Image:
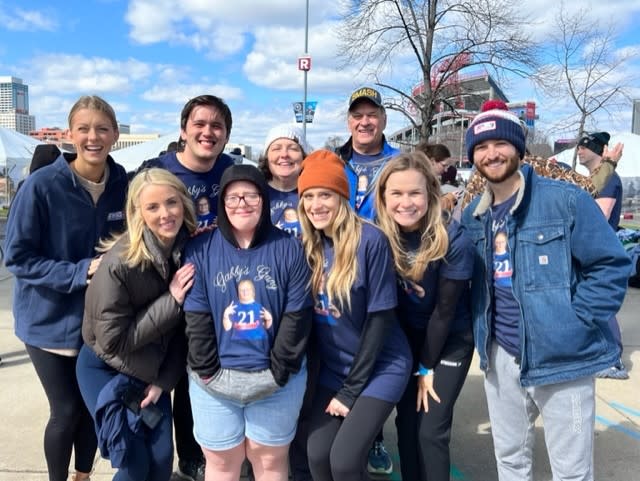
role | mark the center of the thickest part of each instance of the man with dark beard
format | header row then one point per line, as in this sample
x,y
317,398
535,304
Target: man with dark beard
x,y
549,273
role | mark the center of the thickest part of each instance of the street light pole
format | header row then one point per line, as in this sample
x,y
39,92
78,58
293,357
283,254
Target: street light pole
x,y
306,52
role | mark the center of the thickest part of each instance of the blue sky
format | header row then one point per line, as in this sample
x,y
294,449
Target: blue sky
x,y
147,57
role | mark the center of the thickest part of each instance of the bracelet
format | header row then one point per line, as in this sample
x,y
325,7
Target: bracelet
x,y
423,371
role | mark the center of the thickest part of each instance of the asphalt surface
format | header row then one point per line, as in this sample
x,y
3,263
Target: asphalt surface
x,y
24,412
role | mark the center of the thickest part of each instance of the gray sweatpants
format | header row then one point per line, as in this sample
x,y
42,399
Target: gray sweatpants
x,y
568,415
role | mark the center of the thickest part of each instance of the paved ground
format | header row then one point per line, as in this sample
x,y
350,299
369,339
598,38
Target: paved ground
x,y
23,414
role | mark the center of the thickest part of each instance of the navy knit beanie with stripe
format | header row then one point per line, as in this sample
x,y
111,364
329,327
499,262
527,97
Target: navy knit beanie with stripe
x,y
495,124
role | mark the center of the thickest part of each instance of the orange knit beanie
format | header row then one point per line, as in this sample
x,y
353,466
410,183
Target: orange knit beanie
x,y
324,169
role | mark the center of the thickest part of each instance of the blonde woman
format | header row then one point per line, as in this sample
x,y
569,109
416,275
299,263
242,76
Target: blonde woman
x,y
364,356
133,328
434,263
56,220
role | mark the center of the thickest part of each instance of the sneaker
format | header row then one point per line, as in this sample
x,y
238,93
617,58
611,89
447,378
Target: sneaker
x,y
191,469
614,372
379,460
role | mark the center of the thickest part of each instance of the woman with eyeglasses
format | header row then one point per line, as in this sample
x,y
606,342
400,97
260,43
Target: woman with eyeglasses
x,y
284,151
248,321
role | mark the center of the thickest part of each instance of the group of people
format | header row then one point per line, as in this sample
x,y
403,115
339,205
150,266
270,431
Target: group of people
x,y
306,300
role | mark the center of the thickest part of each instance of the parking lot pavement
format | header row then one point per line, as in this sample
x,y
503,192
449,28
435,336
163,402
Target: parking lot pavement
x,y
24,413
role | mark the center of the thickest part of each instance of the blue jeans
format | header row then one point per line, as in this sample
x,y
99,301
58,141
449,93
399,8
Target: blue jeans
x,y
149,459
568,415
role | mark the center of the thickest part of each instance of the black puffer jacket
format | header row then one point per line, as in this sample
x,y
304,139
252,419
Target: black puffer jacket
x,y
132,321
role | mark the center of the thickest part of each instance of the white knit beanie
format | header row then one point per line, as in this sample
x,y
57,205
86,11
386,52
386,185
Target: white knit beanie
x,y
286,131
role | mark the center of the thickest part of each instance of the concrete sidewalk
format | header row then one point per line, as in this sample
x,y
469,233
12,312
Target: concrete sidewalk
x,y
24,412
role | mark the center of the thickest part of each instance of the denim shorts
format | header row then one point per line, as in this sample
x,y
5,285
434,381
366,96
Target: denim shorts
x,y
220,424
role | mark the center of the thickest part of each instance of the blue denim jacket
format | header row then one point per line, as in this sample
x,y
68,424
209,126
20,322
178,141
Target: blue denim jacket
x,y
570,277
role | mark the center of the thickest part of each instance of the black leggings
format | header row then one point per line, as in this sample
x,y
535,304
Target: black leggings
x,y
187,447
338,447
70,425
423,438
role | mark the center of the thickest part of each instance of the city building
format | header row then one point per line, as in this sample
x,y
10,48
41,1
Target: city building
x,y
127,140
635,119
465,94
51,135
14,105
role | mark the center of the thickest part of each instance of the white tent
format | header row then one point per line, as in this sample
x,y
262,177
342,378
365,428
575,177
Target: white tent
x,y
629,165
16,150
131,157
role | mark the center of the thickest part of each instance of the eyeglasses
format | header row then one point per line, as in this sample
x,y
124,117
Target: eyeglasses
x,y
251,199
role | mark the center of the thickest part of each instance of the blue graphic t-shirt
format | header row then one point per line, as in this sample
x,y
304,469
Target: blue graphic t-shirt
x,y
613,190
338,329
284,214
366,168
247,291
506,310
416,301
203,187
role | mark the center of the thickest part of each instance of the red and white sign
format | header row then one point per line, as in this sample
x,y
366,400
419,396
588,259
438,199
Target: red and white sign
x,y
304,63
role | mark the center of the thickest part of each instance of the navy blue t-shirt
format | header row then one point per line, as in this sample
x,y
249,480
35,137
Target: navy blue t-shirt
x,y
367,168
416,301
247,291
613,190
203,187
284,214
506,310
338,328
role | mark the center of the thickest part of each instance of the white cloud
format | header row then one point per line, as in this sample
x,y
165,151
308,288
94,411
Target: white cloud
x,y
273,62
217,27
18,19
543,13
180,93
68,74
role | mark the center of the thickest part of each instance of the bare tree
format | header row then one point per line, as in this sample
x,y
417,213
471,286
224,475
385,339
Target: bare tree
x,y
538,144
442,37
333,142
585,70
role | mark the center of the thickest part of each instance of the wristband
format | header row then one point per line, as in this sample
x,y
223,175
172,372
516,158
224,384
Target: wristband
x,y
423,371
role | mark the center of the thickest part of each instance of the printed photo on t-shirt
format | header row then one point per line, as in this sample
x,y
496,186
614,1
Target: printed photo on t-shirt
x,y
502,267
325,311
290,223
247,319
363,186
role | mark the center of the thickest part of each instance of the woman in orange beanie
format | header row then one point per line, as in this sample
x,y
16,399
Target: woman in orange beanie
x,y
365,359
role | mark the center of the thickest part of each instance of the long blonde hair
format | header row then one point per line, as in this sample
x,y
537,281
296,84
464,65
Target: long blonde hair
x,y
346,231
136,251
432,226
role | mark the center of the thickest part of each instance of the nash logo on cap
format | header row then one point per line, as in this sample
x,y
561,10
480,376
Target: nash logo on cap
x,y
484,127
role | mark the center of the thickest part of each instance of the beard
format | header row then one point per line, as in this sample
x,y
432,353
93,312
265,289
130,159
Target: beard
x,y
496,176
